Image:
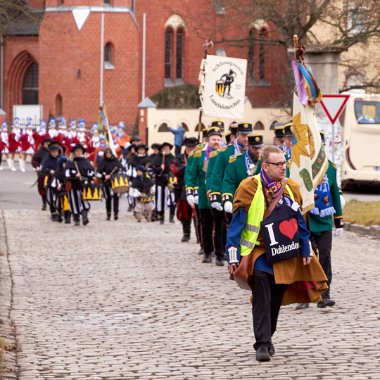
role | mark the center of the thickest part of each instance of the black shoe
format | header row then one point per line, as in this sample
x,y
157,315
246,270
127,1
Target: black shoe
x,y
271,350
76,223
116,216
326,302
207,259
219,262
108,216
67,220
44,207
302,306
60,219
85,220
54,217
171,220
262,354
185,237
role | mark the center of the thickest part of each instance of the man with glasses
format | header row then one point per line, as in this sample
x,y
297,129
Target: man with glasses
x,y
273,282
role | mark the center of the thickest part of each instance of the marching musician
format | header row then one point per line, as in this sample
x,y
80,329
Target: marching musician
x,y
4,145
79,172
63,201
49,168
108,166
37,159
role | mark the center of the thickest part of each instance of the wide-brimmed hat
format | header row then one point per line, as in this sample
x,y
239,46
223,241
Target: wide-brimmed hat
x,y
138,146
79,146
156,146
190,141
166,144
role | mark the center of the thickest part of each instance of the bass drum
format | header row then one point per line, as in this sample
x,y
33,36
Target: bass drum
x,y
92,192
120,183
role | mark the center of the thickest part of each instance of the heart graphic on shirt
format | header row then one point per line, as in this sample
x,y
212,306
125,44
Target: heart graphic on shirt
x,y
289,228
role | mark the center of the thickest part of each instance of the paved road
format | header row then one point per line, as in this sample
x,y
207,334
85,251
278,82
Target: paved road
x,y
121,300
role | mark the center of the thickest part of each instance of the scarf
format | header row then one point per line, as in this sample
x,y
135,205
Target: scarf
x,y
207,151
238,148
322,198
273,187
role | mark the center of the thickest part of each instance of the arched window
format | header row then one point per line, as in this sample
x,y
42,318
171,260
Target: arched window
x,y
58,105
261,55
30,85
251,55
259,126
197,127
109,56
168,52
179,48
163,128
273,125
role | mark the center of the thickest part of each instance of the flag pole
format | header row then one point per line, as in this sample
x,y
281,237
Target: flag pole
x,y
101,59
207,45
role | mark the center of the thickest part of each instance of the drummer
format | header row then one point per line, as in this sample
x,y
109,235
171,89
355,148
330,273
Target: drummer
x,y
79,174
108,166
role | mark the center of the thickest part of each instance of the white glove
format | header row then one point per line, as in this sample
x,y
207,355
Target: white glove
x,y
338,232
196,199
217,206
228,207
101,153
190,200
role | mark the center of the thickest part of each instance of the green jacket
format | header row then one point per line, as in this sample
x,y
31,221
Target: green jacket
x,y
196,178
210,170
236,171
317,224
220,168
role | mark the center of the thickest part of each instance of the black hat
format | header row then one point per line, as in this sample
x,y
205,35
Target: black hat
x,y
228,137
190,141
156,146
79,146
218,123
166,144
279,131
141,167
138,146
256,140
234,128
245,128
55,146
214,131
288,129
204,132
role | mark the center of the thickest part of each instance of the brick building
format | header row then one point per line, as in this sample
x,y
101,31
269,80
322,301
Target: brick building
x,y
55,60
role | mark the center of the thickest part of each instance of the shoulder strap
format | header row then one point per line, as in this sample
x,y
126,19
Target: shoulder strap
x,y
275,200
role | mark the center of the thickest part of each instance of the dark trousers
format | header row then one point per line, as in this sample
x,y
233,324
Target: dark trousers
x,y
322,245
52,199
212,242
267,298
111,197
186,227
77,203
198,226
219,236
177,150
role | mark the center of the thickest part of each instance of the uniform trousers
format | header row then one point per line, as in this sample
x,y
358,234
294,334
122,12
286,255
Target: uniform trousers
x,y
77,203
212,232
267,298
162,193
110,198
52,199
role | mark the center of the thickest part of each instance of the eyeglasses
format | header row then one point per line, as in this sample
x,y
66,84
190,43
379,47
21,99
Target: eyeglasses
x,y
278,164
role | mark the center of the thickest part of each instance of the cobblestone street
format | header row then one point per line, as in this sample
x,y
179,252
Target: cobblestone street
x,y
122,300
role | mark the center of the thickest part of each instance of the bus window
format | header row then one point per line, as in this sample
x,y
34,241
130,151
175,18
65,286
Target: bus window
x,y
367,112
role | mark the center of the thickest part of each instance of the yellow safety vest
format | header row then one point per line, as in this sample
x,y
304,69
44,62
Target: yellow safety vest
x,y
255,217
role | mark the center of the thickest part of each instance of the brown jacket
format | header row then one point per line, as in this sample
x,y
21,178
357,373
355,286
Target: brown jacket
x,y
306,283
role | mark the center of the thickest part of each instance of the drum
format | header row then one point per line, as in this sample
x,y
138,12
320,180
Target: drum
x,y
120,183
92,192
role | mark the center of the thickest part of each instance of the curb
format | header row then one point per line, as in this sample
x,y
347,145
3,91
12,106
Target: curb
x,y
373,231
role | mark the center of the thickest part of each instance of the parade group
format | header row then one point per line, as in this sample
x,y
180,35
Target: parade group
x,y
199,184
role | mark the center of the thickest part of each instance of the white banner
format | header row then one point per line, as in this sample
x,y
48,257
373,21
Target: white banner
x,y
224,87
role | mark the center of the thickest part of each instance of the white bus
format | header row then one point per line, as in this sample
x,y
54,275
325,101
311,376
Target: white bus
x,y
361,140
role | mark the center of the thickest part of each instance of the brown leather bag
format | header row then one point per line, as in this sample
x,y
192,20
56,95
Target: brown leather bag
x,y
243,272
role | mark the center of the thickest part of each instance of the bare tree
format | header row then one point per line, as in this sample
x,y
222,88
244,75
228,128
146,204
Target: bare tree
x,y
11,10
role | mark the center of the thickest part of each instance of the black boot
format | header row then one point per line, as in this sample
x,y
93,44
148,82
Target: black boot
x,y
76,220
207,259
60,219
44,204
85,220
219,261
108,215
67,216
116,216
171,219
185,238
